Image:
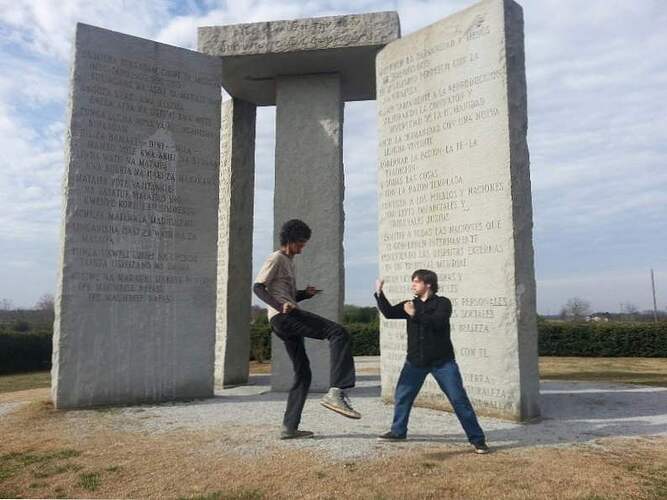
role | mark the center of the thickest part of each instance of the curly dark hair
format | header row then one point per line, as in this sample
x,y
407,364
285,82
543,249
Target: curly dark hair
x,y
294,230
428,277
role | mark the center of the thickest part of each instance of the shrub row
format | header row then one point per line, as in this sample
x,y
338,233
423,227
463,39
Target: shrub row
x,y
20,352
24,352
631,339
365,339
603,339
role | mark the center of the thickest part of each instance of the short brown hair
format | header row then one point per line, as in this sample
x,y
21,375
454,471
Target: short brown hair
x,y
428,277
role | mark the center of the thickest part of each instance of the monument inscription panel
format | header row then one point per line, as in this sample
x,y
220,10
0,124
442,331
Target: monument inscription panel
x,y
135,312
454,194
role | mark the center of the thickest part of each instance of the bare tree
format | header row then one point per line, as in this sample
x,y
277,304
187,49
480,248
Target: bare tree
x,y
629,310
45,303
6,305
576,309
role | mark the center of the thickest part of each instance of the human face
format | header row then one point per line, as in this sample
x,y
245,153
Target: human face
x,y
296,247
419,288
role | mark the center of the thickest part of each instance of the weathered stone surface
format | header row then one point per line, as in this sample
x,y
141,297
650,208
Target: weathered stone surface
x,y
309,186
255,54
235,223
136,298
454,194
314,33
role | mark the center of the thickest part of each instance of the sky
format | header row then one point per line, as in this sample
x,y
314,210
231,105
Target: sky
x,y
597,111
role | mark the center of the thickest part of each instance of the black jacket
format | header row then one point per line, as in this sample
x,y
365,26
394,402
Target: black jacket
x,y
429,339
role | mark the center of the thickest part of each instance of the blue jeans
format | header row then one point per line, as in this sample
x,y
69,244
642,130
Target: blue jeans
x,y
449,379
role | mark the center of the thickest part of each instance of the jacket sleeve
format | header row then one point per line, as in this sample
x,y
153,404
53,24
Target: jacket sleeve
x,y
389,311
437,316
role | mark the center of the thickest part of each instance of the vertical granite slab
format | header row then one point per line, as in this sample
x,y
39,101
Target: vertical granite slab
x,y
309,186
454,195
136,294
235,223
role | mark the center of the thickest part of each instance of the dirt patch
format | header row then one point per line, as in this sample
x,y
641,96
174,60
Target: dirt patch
x,y
27,395
45,453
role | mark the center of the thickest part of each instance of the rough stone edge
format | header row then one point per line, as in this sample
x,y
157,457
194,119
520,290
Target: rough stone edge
x,y
58,313
386,28
522,212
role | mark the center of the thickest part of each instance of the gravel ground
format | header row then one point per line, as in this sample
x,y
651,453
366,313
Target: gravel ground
x,y
246,419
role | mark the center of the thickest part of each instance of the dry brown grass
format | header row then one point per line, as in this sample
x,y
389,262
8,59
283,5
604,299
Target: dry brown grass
x,y
644,371
43,453
257,367
24,381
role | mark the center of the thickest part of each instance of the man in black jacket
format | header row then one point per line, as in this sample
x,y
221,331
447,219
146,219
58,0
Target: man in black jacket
x,y
430,350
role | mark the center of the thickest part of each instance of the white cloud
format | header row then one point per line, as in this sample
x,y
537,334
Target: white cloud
x,y
46,28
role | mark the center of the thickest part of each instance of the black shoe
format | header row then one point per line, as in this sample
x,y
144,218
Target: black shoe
x,y
295,434
390,436
481,448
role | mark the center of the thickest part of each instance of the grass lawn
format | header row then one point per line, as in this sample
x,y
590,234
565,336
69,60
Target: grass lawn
x,y
45,454
644,371
24,381
54,454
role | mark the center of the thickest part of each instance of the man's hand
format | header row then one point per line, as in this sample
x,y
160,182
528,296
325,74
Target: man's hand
x,y
288,307
409,308
379,283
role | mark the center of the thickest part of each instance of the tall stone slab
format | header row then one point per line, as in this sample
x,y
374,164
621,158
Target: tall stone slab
x,y
454,195
309,186
235,223
136,295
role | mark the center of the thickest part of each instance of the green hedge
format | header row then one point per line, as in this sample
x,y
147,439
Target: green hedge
x,y
260,340
555,339
31,351
603,339
365,339
24,352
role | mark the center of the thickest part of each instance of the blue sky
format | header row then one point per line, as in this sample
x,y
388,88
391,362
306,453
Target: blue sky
x,y
597,108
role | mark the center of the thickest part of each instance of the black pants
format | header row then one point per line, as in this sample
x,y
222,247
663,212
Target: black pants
x,y
292,328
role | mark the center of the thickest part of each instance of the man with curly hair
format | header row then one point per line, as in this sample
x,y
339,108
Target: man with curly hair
x,y
275,285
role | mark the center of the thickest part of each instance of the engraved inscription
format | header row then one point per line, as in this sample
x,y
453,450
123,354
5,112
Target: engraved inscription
x,y
445,192
141,167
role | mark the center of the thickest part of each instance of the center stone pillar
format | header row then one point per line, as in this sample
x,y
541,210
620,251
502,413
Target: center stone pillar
x,y
309,186
307,68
